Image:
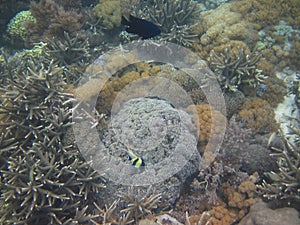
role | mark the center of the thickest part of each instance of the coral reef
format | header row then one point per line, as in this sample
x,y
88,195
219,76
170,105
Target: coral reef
x,y
43,181
260,213
204,119
52,20
235,68
109,12
16,27
68,51
176,19
264,13
284,184
243,150
258,116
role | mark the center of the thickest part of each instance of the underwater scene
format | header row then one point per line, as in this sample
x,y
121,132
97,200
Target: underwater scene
x,y
149,112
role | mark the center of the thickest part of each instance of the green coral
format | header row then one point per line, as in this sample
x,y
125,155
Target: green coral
x,y
109,12
16,27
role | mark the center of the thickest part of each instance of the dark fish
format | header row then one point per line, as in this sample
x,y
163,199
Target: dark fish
x,y
143,28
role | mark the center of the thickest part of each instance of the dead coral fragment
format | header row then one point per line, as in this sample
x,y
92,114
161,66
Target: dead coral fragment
x,y
233,70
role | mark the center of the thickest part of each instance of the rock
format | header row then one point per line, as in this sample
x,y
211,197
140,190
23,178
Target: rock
x,y
260,214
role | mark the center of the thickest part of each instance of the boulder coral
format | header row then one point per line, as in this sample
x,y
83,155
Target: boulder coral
x,y
258,115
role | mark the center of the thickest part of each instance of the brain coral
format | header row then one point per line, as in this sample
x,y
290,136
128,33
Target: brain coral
x,y
258,115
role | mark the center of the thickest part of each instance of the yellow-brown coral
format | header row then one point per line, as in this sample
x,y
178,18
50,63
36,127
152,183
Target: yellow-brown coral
x,y
268,12
110,13
221,26
258,115
204,120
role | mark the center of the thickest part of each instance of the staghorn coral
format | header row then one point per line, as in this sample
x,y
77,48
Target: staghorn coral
x,y
176,19
284,184
258,115
235,68
68,51
43,181
139,204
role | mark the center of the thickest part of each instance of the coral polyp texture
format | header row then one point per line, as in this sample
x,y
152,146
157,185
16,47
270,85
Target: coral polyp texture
x,y
234,69
16,27
109,12
43,181
258,116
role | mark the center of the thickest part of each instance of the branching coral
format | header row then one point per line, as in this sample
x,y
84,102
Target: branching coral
x,y
40,175
284,184
139,204
235,69
68,51
176,19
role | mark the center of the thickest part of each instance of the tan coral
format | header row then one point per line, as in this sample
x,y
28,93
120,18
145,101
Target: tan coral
x,y
204,121
110,13
258,115
222,25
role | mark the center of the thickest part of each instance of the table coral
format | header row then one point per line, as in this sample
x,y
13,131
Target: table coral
x,y
258,115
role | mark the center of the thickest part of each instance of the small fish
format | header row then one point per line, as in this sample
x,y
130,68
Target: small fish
x,y
143,28
135,160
